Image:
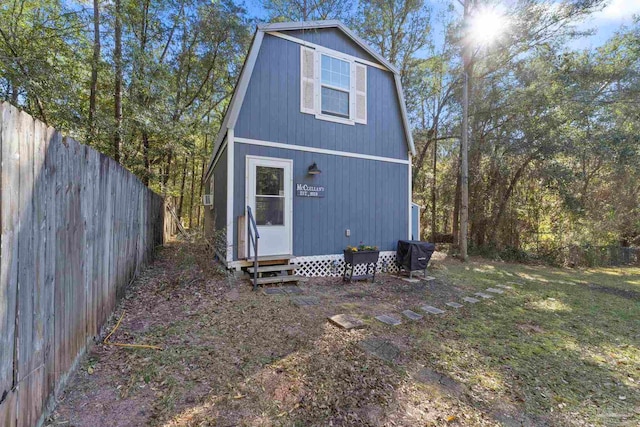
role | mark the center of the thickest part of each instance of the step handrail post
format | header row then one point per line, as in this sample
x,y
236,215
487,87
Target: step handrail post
x,y
252,232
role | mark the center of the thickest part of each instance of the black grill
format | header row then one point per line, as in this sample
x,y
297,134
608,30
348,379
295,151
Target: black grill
x,y
414,255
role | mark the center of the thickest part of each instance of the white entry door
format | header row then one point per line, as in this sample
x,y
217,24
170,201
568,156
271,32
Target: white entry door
x,y
269,194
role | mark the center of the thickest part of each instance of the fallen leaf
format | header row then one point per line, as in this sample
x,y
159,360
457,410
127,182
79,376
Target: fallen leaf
x,y
238,396
451,418
90,370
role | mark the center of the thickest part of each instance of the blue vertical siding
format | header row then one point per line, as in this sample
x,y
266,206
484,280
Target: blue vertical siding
x,y
271,107
368,197
332,38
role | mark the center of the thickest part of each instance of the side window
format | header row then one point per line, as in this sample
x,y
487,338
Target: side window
x,y
332,86
335,81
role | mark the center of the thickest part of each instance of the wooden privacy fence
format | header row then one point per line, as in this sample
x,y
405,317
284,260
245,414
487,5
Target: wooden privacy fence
x,y
76,228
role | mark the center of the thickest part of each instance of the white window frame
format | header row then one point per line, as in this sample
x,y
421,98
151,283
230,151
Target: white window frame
x,y
319,84
348,90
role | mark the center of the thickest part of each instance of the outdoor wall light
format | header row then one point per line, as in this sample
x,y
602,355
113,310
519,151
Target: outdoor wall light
x,y
313,169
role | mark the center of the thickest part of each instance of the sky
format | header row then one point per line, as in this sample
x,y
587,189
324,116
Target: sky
x,y
604,23
608,21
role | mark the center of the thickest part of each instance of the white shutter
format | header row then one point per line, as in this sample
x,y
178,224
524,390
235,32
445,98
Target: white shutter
x,y
307,80
361,94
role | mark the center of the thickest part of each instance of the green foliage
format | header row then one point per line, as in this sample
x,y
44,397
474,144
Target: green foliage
x,y
555,133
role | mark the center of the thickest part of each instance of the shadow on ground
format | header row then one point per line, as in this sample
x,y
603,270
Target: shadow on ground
x,y
541,354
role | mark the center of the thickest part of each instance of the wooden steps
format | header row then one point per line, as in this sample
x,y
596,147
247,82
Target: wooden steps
x,y
273,268
278,279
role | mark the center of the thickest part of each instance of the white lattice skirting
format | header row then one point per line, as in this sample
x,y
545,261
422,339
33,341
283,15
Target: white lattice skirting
x,y
333,265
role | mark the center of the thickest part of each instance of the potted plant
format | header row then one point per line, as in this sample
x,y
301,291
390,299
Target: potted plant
x,y
360,255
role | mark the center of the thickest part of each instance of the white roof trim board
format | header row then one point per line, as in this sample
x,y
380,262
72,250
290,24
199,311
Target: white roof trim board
x,y
233,110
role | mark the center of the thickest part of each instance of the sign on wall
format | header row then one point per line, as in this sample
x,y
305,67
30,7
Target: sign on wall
x,y
306,190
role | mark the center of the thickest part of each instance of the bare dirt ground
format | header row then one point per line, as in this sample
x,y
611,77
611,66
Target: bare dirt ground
x,y
234,357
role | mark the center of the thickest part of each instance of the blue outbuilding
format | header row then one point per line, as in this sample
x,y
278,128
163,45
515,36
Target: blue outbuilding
x,y
316,145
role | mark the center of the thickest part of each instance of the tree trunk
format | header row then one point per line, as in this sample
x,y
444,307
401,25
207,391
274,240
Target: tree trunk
x,y
464,145
456,207
94,72
193,187
433,187
505,198
167,171
184,176
147,163
201,184
117,93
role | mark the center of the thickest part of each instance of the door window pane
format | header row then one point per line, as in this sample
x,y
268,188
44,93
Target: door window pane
x,y
269,181
269,210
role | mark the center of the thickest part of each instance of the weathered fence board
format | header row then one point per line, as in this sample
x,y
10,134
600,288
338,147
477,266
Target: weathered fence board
x,y
76,227
9,198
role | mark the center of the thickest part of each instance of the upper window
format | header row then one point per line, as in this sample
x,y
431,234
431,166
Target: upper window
x,y
333,86
336,86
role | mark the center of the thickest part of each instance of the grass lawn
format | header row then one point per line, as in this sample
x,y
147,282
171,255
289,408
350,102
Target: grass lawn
x,y
561,348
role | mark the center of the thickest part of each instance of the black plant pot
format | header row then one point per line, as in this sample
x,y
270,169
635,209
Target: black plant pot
x,y
355,258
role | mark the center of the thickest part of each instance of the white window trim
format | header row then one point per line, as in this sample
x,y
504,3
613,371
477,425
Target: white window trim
x,y
352,91
348,91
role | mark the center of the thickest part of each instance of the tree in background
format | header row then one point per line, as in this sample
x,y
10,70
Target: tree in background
x,y
307,10
554,151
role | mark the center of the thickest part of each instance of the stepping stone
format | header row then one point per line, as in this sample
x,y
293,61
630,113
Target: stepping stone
x,y
346,321
412,315
504,287
428,278
302,301
483,295
291,290
471,300
431,309
389,320
380,348
495,291
440,381
454,305
406,279
273,291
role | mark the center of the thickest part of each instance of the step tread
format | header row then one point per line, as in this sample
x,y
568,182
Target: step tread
x,y
283,257
274,268
277,279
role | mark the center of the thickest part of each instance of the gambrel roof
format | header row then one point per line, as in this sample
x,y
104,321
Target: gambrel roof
x,y
233,110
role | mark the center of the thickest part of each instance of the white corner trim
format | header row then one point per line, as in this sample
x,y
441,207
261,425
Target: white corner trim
x,y
403,111
326,50
230,193
319,150
410,186
419,209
